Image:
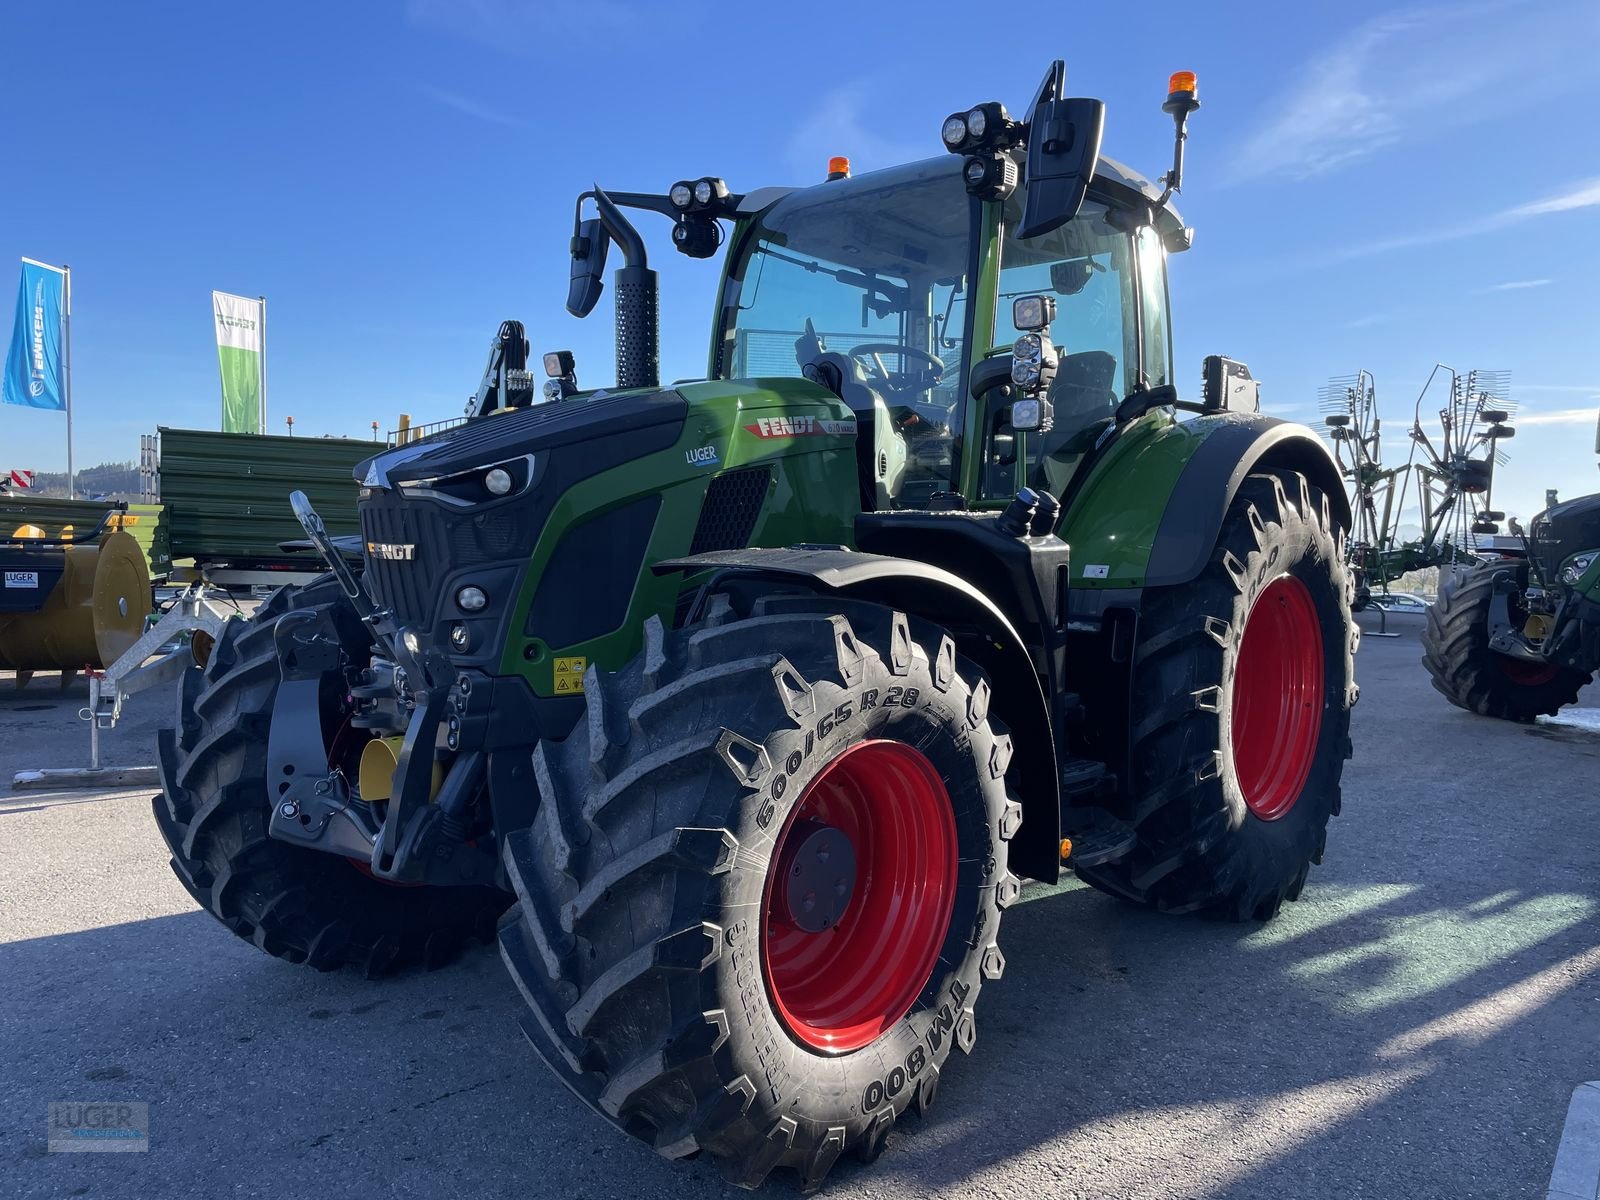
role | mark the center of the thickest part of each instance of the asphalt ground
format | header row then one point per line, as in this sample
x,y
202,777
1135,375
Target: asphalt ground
x,y
1414,1027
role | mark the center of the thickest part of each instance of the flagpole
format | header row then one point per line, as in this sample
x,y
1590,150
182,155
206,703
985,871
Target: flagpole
x,y
66,371
261,364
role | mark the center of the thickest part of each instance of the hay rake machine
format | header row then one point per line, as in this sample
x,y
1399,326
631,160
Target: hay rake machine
x,y
1454,474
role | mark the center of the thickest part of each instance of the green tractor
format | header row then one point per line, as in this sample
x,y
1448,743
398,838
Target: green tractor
x,y
738,708
1519,636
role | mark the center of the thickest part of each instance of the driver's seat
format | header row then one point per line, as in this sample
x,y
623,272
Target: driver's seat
x,y
1084,399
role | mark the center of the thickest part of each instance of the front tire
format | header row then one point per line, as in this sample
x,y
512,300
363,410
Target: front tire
x,y
1466,672
701,965
294,903
1242,686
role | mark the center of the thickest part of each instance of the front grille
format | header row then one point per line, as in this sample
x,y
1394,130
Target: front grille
x,y
404,587
728,517
443,541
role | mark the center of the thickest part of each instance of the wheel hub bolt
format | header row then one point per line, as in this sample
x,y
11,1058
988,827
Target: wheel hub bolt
x,y
289,808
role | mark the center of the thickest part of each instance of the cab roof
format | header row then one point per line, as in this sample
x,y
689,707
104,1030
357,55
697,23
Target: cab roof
x,y
1109,176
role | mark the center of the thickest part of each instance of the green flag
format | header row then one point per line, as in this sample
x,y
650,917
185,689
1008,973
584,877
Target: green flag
x,y
239,347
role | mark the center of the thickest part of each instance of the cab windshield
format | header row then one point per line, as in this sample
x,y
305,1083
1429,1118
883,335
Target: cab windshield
x,y
874,268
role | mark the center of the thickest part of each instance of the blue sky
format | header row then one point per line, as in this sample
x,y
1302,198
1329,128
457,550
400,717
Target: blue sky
x,y
1374,186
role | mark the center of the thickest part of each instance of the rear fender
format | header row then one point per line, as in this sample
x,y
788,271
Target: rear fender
x,y
1240,445
983,634
1152,506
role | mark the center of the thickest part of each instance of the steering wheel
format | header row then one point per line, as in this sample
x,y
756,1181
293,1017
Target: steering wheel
x,y
876,350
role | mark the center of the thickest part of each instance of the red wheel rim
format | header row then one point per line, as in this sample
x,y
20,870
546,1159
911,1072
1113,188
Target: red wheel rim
x,y
1277,698
840,988
1527,674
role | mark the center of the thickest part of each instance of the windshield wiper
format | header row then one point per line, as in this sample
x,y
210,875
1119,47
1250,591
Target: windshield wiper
x,y
893,293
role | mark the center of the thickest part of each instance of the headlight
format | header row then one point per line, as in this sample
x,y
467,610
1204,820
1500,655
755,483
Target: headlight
x,y
681,195
472,599
1024,374
703,192
954,130
459,637
977,122
1026,415
413,644
466,488
1576,566
1029,312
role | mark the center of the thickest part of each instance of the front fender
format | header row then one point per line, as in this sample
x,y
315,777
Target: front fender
x,y
984,635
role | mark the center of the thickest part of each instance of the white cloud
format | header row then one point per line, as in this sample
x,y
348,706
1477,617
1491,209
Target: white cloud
x,y
1585,194
834,126
1406,74
469,107
1563,416
1513,285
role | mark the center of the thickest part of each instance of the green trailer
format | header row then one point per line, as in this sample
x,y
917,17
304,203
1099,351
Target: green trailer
x,y
227,498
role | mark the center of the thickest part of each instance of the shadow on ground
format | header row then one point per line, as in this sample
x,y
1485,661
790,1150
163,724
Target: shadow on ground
x,y
1413,1027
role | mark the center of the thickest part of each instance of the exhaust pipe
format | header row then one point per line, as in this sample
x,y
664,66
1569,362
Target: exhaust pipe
x,y
638,315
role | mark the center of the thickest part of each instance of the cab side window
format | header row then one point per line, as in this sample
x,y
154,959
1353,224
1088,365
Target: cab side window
x,y
1090,269
1153,306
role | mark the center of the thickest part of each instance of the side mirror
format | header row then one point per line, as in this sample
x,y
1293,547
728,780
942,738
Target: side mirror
x,y
589,245
1063,150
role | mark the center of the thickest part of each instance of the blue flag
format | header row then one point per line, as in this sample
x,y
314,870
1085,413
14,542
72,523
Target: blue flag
x,y
34,366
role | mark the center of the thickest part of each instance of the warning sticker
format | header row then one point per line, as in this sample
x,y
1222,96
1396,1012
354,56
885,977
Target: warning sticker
x,y
569,675
1096,571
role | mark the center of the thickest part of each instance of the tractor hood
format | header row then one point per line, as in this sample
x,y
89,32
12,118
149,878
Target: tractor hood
x,y
518,433
522,539
1571,527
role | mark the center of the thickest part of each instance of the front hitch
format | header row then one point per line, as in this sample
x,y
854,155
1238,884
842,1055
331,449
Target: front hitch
x,y
417,837
1505,637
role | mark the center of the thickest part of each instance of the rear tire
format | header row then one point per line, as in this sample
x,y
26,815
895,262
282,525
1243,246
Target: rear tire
x,y
1242,685
1466,672
667,986
302,905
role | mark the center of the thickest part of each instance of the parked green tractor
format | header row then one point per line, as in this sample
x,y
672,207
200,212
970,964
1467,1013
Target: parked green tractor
x,y
1518,637
739,707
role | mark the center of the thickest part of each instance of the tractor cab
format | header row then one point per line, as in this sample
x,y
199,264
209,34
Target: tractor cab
x,y
866,285
898,291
